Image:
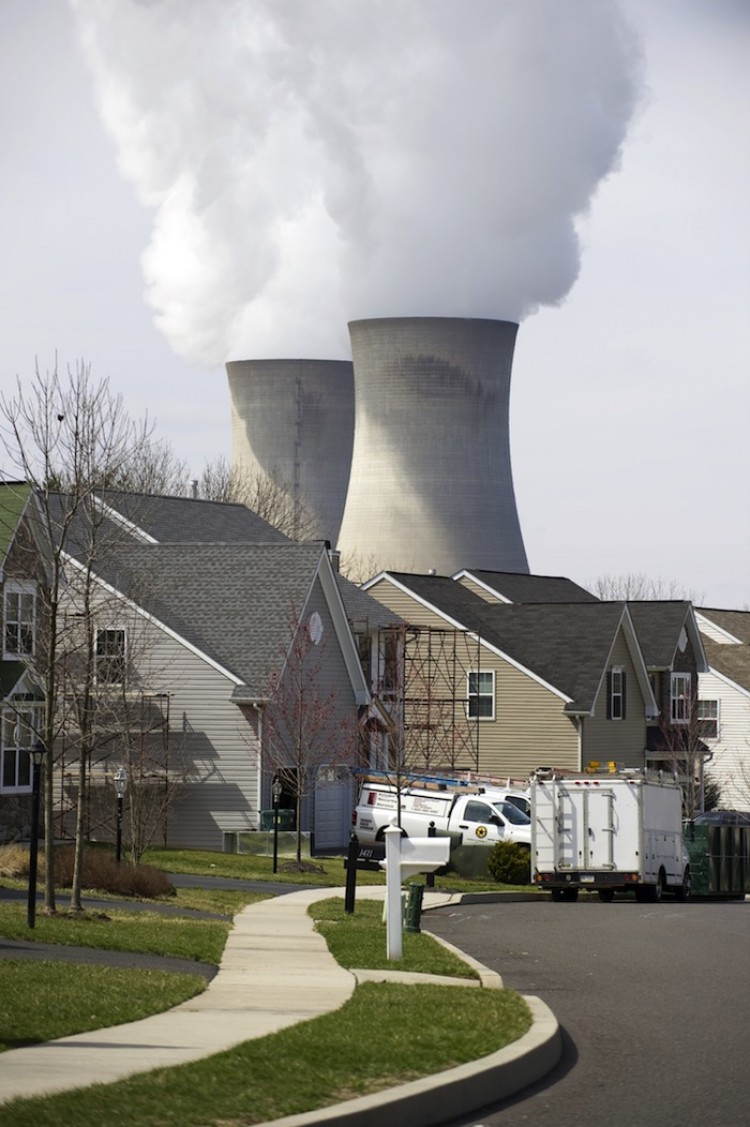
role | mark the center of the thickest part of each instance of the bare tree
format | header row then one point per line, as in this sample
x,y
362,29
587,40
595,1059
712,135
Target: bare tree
x,y
67,437
306,724
269,496
636,586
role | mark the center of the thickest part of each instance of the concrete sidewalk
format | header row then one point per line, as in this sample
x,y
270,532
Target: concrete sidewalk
x,y
276,971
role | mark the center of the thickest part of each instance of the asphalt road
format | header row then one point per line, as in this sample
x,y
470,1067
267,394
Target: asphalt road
x,y
653,1001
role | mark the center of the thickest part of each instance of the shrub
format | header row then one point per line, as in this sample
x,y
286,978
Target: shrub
x,y
102,872
510,863
14,861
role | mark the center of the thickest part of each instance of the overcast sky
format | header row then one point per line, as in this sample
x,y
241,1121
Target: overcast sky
x,y
631,397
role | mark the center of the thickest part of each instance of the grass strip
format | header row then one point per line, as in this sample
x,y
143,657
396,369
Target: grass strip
x,y
176,936
384,1035
359,940
41,1001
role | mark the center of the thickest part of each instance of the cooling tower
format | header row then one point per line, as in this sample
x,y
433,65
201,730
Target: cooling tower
x,y
430,483
293,420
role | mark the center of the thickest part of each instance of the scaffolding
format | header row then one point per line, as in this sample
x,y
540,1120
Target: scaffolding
x,y
421,676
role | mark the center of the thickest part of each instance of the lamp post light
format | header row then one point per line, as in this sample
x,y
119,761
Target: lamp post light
x,y
121,786
276,788
36,755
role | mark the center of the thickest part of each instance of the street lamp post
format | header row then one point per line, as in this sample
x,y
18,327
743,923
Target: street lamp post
x,y
121,786
36,754
276,788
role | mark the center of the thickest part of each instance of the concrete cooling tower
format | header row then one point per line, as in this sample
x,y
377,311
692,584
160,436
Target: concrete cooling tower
x,y
293,420
430,483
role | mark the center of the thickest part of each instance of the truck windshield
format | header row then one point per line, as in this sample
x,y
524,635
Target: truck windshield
x,y
515,816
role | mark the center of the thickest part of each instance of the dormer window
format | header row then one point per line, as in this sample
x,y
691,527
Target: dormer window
x,y
19,619
681,697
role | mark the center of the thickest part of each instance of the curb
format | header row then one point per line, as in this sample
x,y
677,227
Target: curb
x,y
456,1092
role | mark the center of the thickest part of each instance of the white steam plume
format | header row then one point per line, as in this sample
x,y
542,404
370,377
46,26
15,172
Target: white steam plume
x,y
314,161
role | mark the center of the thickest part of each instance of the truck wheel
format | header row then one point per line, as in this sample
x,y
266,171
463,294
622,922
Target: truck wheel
x,y
607,895
683,892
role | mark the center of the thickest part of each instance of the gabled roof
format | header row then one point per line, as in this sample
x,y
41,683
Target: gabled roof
x,y
362,608
517,587
567,646
730,658
664,629
237,604
175,519
14,496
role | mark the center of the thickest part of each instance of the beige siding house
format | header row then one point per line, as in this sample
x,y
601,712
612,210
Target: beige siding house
x,y
554,684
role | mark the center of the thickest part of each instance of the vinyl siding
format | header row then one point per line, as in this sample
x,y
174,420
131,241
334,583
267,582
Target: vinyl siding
x,y
730,766
623,741
215,743
529,729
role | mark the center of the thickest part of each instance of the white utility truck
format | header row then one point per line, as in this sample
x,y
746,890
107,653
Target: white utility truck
x,y
609,833
481,815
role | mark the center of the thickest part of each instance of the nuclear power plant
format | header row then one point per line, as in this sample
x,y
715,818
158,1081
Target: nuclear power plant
x,y
293,420
417,442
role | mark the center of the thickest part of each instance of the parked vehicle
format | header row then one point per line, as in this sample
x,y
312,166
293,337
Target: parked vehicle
x,y
722,818
481,816
608,833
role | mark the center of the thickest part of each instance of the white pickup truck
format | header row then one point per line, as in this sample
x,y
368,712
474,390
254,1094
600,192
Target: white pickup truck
x,y
482,816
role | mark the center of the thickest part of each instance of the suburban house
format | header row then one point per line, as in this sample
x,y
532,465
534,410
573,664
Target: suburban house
x,y
557,684
724,702
206,624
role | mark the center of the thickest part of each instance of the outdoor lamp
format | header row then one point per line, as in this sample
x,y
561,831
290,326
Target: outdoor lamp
x,y
36,754
121,786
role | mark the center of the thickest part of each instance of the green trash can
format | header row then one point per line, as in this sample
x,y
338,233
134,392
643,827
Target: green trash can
x,y
413,912
286,818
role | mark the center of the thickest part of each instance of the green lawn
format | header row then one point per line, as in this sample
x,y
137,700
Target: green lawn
x,y
384,1035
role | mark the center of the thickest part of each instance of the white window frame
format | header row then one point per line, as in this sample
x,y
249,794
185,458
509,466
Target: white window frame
x,y
100,658
18,732
21,589
715,717
617,674
474,697
680,697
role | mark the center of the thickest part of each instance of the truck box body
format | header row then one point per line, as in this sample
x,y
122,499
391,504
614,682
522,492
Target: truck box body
x,y
480,816
608,833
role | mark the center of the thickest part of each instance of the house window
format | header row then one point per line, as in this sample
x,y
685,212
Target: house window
x,y
481,695
110,657
616,702
18,734
19,609
680,696
708,719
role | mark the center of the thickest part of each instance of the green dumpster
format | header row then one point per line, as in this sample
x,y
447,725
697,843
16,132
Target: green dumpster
x,y
286,819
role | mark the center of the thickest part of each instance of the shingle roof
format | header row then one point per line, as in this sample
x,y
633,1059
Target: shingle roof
x,y
172,519
237,603
659,625
521,588
731,660
567,645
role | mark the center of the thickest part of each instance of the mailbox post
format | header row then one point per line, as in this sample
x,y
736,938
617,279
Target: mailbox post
x,y
405,857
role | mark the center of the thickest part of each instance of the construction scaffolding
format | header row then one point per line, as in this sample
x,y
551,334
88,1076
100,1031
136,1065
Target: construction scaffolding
x,y
421,676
